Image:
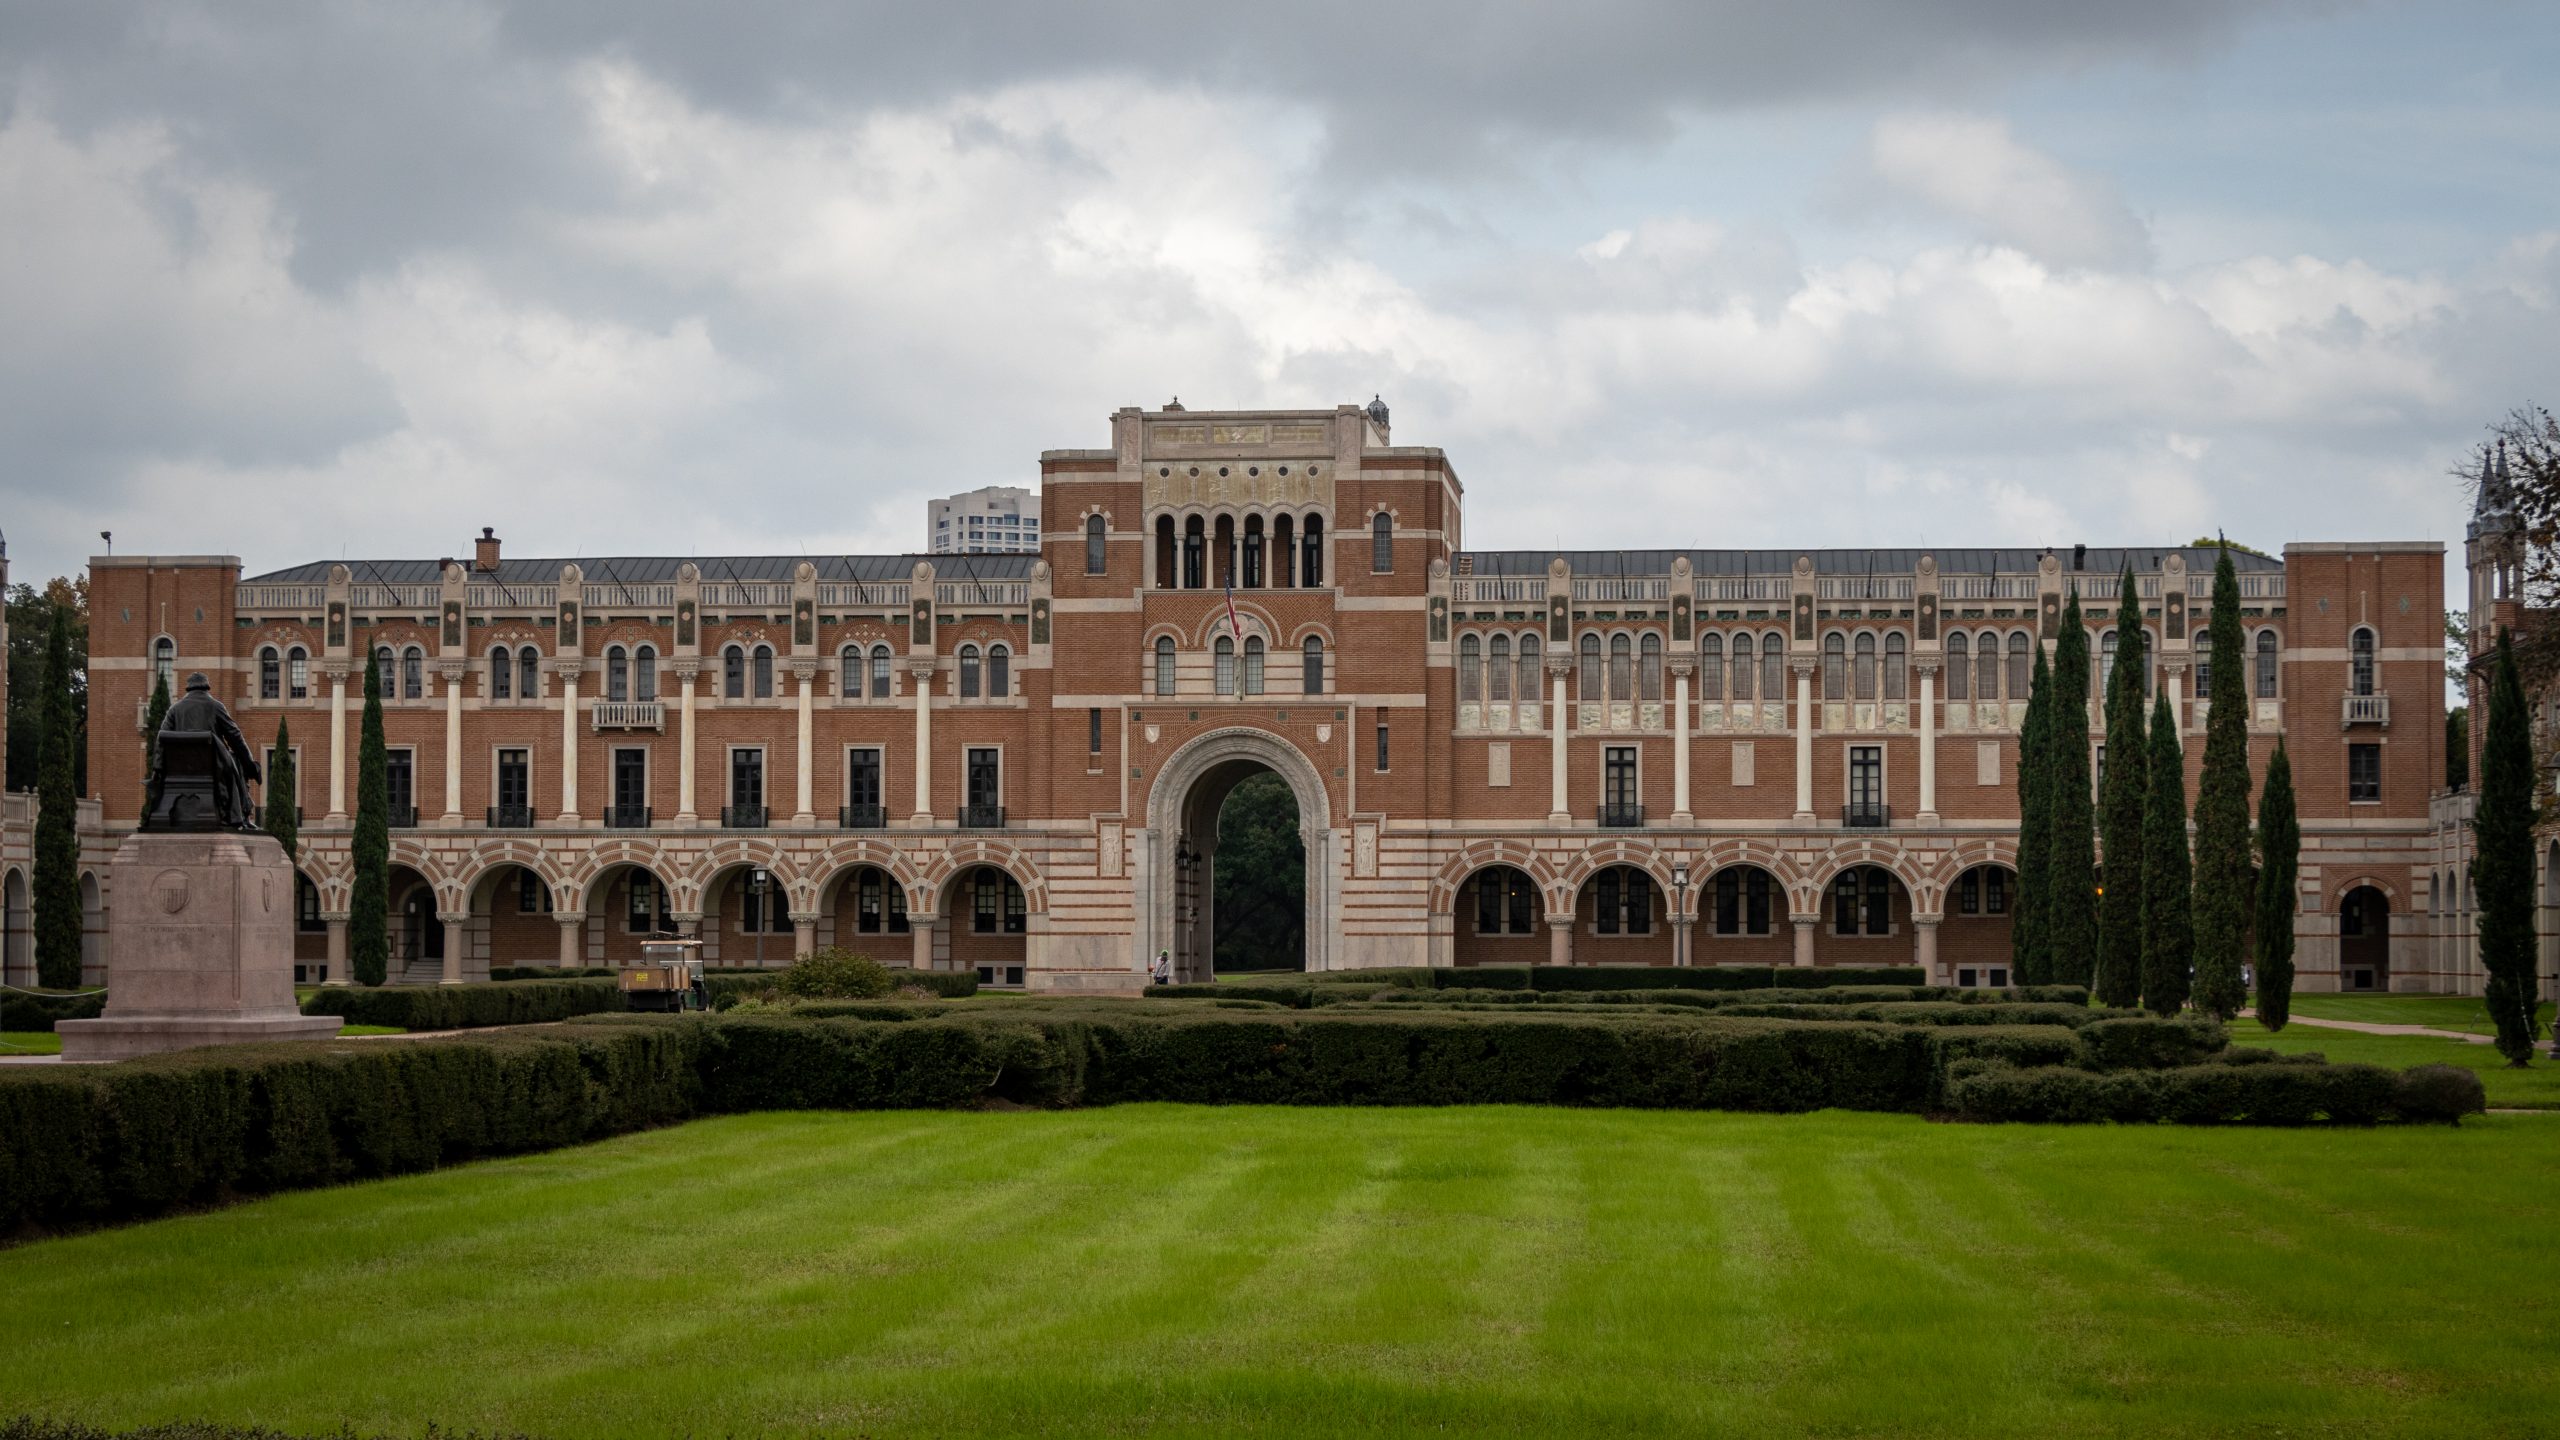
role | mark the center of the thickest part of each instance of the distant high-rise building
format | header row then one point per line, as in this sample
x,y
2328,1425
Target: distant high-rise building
x,y
990,520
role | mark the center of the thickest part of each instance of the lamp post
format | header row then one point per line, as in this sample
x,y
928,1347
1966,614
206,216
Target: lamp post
x,y
1186,910
1679,913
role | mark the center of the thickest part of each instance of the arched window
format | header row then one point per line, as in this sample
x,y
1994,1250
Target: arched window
x,y
164,664
644,673
1312,666
617,673
2202,643
528,673
1649,668
1165,553
1959,667
1253,665
1530,663
1746,668
270,674
1284,552
1252,553
1226,654
733,673
1586,679
1773,667
1314,547
1506,902
2019,645
1711,666
2106,663
502,673
880,686
1497,668
1382,543
849,672
1470,669
1897,667
1622,662
999,672
388,664
968,672
764,672
1624,901
1862,901
1096,553
995,903
1863,671
2266,664
1164,664
297,673
1195,554
1835,666
2360,660
413,673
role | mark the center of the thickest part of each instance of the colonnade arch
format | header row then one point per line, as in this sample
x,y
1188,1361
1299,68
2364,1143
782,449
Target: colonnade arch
x,y
1178,851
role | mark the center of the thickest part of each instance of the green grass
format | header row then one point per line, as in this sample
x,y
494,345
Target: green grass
x,y
30,1042
1176,1271
2535,1088
2440,1012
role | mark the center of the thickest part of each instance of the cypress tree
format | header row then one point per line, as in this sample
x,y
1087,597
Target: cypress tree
x,y
2502,862
2224,874
2279,863
2168,929
282,796
2071,929
369,903
2028,953
2124,791
57,841
151,719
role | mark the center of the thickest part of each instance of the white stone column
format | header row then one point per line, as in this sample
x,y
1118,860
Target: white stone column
x,y
569,742
1804,752
1560,939
804,933
1928,670
452,673
338,748
573,939
920,674
920,949
1681,814
1804,937
1924,948
1559,810
2175,677
337,952
804,675
688,681
455,938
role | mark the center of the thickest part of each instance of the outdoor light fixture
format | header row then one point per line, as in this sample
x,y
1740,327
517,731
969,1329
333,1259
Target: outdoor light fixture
x,y
1680,909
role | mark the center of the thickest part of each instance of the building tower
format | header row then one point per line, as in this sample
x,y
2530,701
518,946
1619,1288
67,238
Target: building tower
x,y
2493,548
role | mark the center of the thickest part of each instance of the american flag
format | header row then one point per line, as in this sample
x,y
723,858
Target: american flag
x,y
1232,623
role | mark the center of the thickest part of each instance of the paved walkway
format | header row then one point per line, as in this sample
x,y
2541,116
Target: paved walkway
x,y
2363,1028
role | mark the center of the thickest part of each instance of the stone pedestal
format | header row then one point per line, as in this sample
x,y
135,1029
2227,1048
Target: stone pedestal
x,y
199,949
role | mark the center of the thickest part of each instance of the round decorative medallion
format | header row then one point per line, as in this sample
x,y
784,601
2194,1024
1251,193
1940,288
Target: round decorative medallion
x,y
169,890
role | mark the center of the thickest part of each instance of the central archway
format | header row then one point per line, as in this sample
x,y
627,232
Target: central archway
x,y
1179,855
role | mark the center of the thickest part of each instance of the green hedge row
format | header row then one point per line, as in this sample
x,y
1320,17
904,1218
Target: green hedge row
x,y
38,1010
552,972
2215,1094
466,1007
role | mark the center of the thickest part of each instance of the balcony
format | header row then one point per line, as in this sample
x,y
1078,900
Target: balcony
x,y
1621,817
404,817
864,817
744,817
2372,709
627,715
981,817
626,817
510,817
1866,817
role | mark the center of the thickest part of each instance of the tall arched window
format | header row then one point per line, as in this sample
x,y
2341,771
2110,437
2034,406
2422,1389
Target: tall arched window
x,y
1586,678
1284,552
1166,566
1649,667
968,672
2266,664
1863,670
1252,579
502,673
528,673
2019,645
164,664
1835,666
2106,663
644,673
1195,554
849,672
1253,665
1959,667
1530,690
1226,654
1897,667
413,674
1311,680
1623,897
1314,547
999,672
2201,641
1622,667
270,673
880,686
1096,553
1497,668
1986,666
617,673
1711,666
733,673
1164,664
764,672
2360,660
1773,667
1746,667
1382,543
1470,670
388,663
297,673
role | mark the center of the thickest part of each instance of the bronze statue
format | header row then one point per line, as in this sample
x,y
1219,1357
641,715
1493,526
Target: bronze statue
x,y
204,766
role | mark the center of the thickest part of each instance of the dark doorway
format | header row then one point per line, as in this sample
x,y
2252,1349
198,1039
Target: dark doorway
x,y
1259,874
2364,940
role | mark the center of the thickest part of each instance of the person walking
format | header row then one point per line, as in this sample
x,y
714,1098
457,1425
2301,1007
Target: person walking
x,y
1164,967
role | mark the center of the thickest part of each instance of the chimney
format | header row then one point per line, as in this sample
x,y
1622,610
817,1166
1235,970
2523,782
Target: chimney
x,y
2079,557
485,556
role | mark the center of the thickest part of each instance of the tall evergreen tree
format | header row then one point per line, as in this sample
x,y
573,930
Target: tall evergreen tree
x,y
2502,861
369,903
2224,873
57,886
2279,865
2029,955
151,719
2071,927
2168,928
283,796
2124,789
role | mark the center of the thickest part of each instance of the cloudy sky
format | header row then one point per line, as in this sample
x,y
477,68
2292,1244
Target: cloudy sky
x,y
303,281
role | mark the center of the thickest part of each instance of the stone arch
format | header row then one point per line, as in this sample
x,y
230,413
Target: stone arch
x,y
693,890
1919,882
573,888
1482,855
1595,858
1182,798
1725,854
432,868
2359,879
832,865
1213,623
476,868
934,886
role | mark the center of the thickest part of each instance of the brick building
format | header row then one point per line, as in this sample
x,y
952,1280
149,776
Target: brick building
x,y
1015,763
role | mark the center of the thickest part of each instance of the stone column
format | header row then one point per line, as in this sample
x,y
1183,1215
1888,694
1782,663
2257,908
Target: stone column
x,y
920,950
1681,938
1928,671
1804,749
1804,937
338,747
688,675
804,933
451,671
1681,814
1924,948
1559,810
455,937
2174,675
573,938
569,742
920,674
1560,939
337,953
804,676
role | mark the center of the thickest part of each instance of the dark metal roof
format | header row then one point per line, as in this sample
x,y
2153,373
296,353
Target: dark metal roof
x,y
2102,561
661,569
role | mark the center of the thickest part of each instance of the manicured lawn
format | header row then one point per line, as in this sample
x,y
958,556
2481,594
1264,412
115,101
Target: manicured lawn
x,y
1165,1270
30,1042
2439,1012
2536,1088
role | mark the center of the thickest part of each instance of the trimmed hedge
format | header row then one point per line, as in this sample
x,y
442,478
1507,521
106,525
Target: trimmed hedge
x,y
2151,1042
38,1010
551,972
2188,1095
466,1007
728,987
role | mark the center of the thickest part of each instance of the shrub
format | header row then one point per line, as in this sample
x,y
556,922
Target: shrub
x,y
466,1007
2025,1046
552,972
949,984
2187,1095
834,973
2254,1055
2149,1042
39,1009
2439,1092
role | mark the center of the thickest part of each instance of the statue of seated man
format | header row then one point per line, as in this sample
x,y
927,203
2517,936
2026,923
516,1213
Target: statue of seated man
x,y
201,779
